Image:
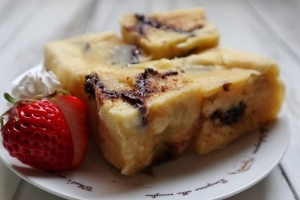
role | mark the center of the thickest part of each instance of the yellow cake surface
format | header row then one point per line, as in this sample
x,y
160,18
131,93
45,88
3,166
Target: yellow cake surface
x,y
170,34
88,51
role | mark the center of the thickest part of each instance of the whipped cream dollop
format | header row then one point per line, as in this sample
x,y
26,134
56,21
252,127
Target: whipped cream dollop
x,y
36,84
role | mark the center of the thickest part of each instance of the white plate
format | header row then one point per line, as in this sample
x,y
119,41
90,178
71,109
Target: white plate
x,y
215,176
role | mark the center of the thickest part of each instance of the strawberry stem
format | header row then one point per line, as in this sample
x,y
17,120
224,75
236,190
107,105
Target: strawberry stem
x,y
57,92
1,121
63,92
9,98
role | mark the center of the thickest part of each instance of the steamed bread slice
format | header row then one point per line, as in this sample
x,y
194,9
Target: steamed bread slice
x,y
242,92
145,116
170,34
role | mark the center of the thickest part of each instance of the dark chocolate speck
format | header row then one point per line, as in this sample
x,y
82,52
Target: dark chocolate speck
x,y
230,116
226,87
144,21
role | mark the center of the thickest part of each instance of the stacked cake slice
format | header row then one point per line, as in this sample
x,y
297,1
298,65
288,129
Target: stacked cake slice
x,y
170,34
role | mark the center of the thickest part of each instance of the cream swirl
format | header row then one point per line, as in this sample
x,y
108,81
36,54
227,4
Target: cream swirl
x,y
36,84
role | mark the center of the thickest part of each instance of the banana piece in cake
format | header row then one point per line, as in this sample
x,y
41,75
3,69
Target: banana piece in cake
x,y
170,34
145,116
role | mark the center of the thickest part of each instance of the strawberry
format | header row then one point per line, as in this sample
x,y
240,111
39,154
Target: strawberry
x,y
49,134
75,111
